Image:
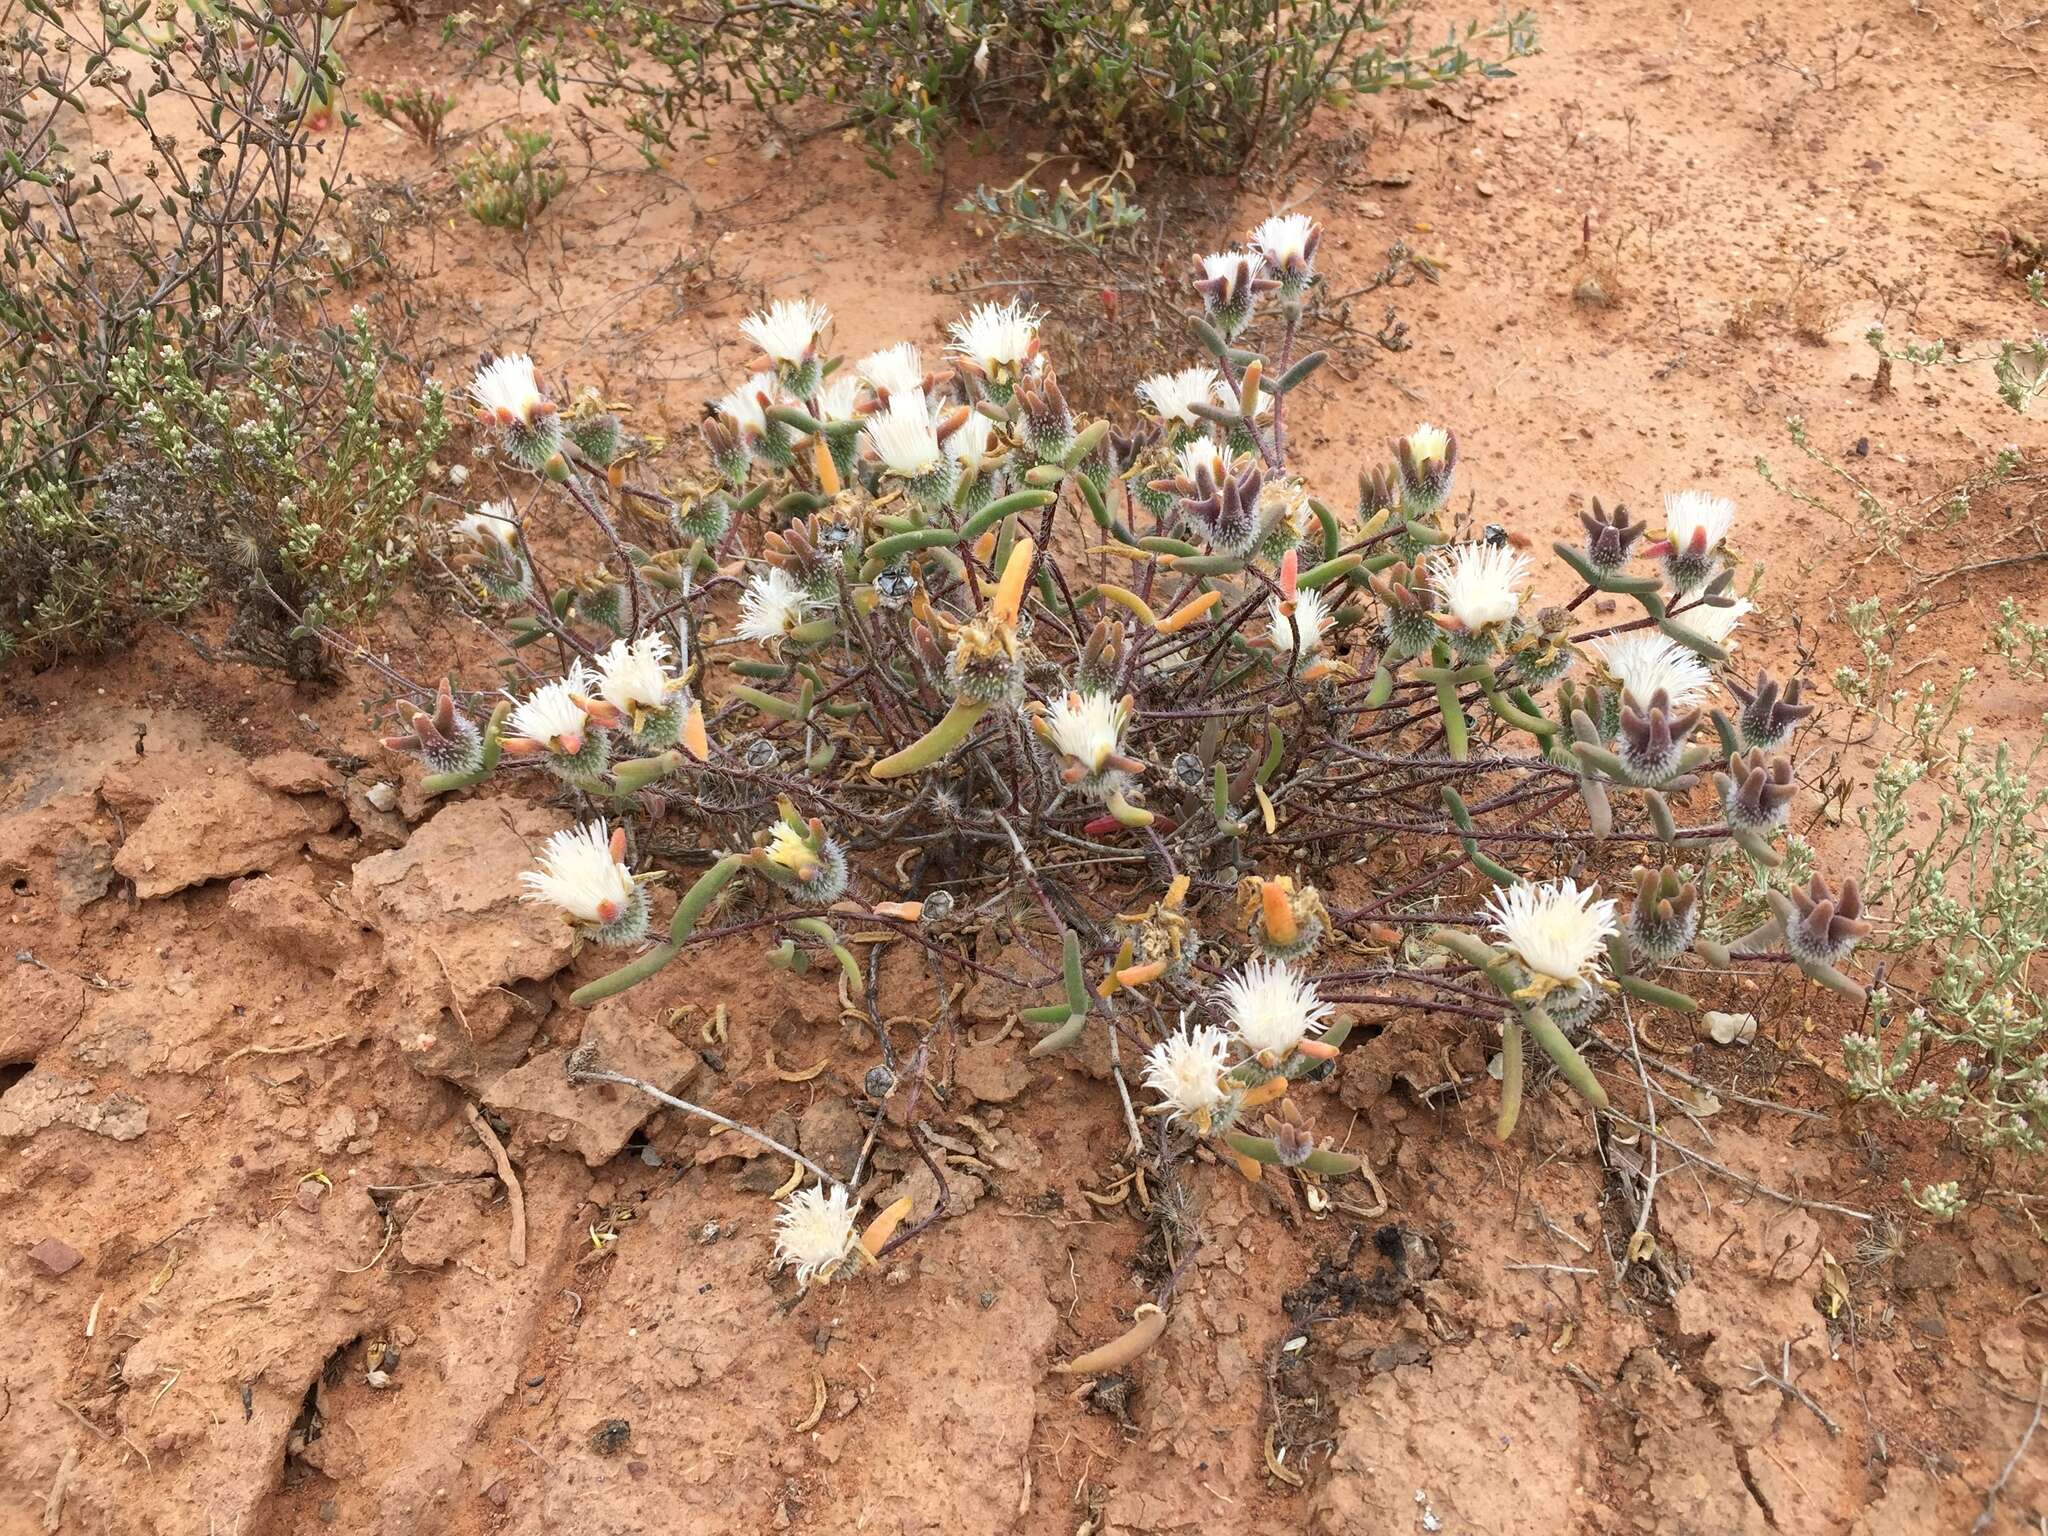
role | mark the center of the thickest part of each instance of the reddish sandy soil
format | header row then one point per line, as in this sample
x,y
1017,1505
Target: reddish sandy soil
x,y
247,1007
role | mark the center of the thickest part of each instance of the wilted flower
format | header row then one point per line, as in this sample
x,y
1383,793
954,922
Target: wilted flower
x,y
583,872
508,395
1644,663
1287,517
1272,1008
1288,241
1480,585
1283,922
814,866
1695,524
772,605
788,332
814,1232
1186,1070
998,343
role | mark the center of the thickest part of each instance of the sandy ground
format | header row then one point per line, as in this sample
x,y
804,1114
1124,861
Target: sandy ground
x,y
247,1007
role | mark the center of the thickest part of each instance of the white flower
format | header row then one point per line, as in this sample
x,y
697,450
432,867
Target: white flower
x,y
772,605
1697,521
1643,662
748,405
814,1231
787,330
1429,444
837,397
1224,266
1272,1007
580,872
1311,619
506,390
1284,238
1085,727
1555,930
1480,583
635,676
1001,338
550,714
893,371
969,445
493,525
1202,453
1716,624
1185,1069
1172,394
902,437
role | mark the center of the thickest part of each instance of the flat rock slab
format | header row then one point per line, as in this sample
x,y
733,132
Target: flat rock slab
x,y
593,1120
457,937
213,827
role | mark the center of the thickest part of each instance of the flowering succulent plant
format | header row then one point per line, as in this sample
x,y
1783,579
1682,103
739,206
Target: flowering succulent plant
x,y
990,658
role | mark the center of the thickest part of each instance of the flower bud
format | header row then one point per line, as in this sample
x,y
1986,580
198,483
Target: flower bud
x,y
1769,711
1610,536
1756,794
1666,915
1827,926
1652,741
